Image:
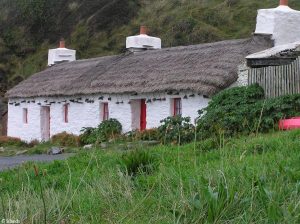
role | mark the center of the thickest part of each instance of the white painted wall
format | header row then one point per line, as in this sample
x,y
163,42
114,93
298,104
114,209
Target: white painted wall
x,y
282,22
88,114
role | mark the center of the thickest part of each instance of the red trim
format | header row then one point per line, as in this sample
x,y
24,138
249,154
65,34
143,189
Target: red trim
x,y
143,118
105,112
177,110
66,113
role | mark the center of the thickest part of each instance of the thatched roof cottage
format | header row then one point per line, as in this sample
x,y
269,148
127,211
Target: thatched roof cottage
x,y
139,88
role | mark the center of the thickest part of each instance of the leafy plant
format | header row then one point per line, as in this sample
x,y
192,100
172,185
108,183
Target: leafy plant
x,y
138,161
11,141
65,139
176,130
107,130
146,135
244,110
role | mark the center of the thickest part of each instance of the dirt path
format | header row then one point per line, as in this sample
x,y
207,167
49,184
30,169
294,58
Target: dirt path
x,y
14,161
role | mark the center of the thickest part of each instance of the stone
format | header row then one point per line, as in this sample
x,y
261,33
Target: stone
x,y
22,152
88,146
103,145
2,149
55,151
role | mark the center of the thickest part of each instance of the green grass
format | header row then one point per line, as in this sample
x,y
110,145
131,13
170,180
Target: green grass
x,y
253,179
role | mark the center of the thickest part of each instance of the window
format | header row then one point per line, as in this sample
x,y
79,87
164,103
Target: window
x,y
66,113
177,111
25,115
104,111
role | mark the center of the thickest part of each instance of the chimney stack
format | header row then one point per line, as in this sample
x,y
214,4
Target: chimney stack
x,y
284,2
62,43
142,41
61,54
143,30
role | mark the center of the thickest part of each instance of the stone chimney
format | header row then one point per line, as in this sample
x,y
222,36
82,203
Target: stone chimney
x,y
142,41
281,22
61,54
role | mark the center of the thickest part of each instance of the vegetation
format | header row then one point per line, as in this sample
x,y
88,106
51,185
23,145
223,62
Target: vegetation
x,y
106,131
245,180
176,130
99,27
244,110
65,139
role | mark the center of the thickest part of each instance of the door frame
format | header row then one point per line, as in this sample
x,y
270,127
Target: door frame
x,y
143,115
45,123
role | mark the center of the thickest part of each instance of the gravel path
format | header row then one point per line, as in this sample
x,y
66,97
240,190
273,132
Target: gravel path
x,y
14,161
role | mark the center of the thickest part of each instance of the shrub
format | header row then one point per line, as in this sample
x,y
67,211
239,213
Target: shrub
x,y
207,145
243,110
138,161
11,141
106,131
65,139
176,130
146,135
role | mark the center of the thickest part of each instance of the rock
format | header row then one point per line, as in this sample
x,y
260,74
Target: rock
x,y
103,145
55,151
88,146
21,152
2,149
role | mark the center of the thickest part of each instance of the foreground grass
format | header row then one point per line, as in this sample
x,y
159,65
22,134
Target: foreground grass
x,y
249,180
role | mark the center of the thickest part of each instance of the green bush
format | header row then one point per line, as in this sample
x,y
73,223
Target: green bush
x,y
176,130
65,139
146,135
244,110
138,161
106,131
207,145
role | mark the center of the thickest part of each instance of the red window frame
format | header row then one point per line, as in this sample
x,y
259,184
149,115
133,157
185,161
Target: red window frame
x,y
105,111
25,115
177,110
66,113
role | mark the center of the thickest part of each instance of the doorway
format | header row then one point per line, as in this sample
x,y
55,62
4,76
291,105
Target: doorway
x,y
143,118
45,123
139,114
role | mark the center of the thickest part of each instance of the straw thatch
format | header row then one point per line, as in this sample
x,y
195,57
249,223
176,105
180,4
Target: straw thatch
x,y
204,68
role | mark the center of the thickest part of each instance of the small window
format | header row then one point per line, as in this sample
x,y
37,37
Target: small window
x,y
66,113
177,111
25,115
104,112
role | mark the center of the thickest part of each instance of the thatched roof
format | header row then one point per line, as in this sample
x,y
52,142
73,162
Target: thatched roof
x,y
204,68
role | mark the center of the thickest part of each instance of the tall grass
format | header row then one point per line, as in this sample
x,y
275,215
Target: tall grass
x,y
247,180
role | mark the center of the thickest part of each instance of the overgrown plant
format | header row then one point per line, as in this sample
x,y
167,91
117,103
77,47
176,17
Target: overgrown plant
x,y
138,161
2,202
176,130
107,130
38,176
66,139
244,110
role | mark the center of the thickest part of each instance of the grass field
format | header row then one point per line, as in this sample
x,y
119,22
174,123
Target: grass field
x,y
253,179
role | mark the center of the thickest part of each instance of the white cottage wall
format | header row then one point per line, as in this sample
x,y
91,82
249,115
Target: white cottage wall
x,y
16,126
88,114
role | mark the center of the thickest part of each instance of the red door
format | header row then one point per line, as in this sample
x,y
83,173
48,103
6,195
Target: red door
x,y
143,122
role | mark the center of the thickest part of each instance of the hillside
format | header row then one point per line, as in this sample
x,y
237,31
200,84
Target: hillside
x,y
28,28
252,179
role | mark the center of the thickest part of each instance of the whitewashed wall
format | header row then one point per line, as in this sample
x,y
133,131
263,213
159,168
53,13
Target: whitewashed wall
x,y
282,22
88,114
